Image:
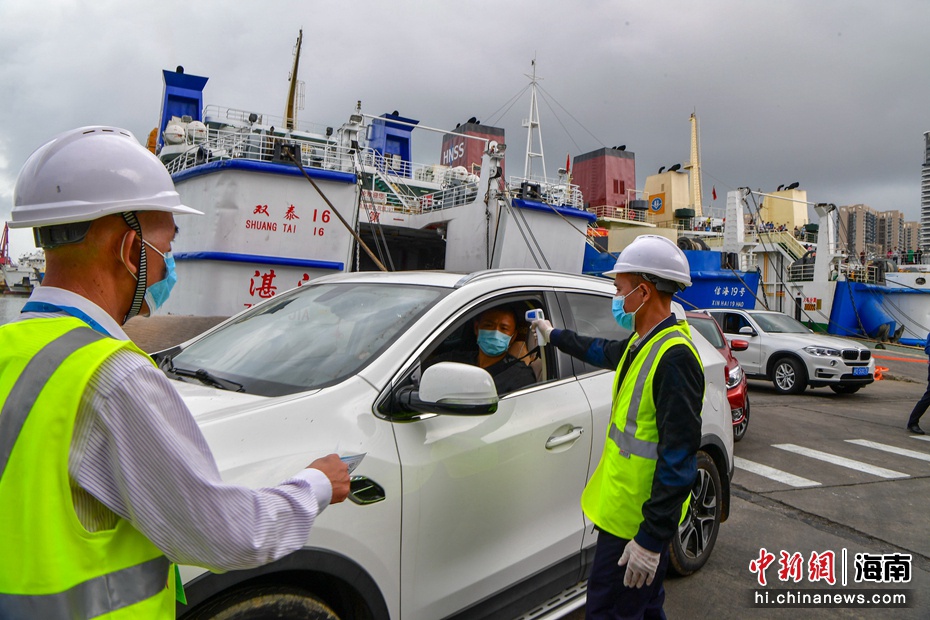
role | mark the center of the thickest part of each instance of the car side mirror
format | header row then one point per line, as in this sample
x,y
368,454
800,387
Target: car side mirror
x,y
450,388
748,330
738,345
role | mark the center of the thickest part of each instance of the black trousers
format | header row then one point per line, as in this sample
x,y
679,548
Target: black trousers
x,y
608,598
922,404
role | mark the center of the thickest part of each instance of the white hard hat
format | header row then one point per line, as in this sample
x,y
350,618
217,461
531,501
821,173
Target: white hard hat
x,y
88,173
652,255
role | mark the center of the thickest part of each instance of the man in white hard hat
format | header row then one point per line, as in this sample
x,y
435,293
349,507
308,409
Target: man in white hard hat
x,y
637,495
105,478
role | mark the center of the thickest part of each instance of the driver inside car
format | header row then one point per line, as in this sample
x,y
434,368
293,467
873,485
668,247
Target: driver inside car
x,y
495,330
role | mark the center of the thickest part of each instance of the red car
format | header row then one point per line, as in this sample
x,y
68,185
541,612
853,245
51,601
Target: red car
x,y
737,393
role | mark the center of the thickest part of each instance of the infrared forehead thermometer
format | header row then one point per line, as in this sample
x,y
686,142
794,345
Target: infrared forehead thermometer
x,y
536,315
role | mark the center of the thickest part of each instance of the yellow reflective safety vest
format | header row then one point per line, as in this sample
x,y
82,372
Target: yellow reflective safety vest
x,y
613,499
50,565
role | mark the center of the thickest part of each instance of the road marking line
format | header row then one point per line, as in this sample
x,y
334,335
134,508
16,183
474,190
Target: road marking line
x,y
892,449
774,474
921,437
865,468
900,359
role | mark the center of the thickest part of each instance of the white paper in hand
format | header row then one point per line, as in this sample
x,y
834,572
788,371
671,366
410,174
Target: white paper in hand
x,y
353,461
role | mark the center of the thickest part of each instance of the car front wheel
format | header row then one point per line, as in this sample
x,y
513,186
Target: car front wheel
x,y
698,532
260,603
788,376
741,422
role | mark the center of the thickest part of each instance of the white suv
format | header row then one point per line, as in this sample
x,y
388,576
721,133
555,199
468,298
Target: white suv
x,y
792,356
463,505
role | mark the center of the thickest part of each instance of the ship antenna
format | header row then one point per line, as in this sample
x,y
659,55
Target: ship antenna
x,y
532,123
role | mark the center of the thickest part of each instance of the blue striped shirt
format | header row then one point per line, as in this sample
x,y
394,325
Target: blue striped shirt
x,y
137,453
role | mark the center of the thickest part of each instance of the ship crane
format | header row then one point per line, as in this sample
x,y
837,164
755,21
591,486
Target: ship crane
x,y
295,94
5,246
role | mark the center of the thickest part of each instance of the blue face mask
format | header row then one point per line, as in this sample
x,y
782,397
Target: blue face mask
x,y
624,319
157,294
493,342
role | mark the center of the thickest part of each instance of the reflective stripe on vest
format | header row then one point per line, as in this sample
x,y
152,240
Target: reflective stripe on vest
x,y
96,597
30,383
626,440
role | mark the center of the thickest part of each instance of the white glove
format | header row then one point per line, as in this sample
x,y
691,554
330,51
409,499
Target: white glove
x,y
641,565
544,328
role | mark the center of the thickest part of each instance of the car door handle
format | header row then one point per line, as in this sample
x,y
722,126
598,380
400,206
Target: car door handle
x,y
560,440
364,491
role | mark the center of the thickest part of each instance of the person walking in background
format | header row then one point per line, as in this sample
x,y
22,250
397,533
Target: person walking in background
x,y
921,407
106,481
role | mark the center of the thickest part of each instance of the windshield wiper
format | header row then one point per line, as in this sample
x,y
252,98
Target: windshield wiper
x,y
207,379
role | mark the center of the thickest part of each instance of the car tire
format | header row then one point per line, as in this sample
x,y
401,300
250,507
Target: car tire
x,y
739,430
260,603
841,388
788,376
691,548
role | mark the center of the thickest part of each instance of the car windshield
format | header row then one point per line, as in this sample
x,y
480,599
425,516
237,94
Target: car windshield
x,y
775,323
708,328
309,338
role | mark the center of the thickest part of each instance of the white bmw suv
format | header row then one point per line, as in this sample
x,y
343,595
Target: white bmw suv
x,y
465,502
793,357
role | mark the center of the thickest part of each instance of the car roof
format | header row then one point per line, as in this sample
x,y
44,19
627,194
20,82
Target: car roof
x,y
698,314
453,279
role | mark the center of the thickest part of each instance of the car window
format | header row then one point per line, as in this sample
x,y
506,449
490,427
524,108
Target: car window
x,y
708,328
775,323
308,338
730,322
523,365
592,317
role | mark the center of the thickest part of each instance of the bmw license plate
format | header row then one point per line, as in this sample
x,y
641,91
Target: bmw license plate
x,y
861,371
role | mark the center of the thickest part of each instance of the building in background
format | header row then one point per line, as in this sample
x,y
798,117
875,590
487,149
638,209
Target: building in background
x,y
925,195
911,236
862,228
858,230
891,230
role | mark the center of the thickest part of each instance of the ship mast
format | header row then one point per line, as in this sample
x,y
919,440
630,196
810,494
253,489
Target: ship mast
x,y
532,123
293,94
695,167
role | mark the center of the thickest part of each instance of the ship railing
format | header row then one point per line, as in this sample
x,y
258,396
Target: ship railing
x,y
869,274
801,273
218,114
232,143
401,197
619,213
539,189
398,195
397,168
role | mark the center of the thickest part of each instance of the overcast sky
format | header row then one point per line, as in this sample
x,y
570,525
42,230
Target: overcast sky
x,y
832,94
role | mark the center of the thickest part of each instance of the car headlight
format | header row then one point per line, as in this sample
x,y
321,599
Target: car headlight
x,y
735,376
822,351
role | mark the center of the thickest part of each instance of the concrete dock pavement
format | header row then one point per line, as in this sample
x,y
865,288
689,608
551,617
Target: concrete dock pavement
x,y
159,332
